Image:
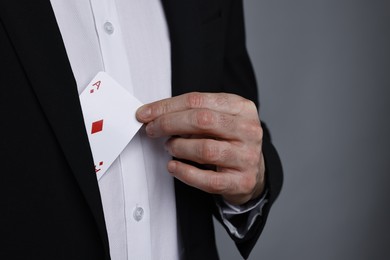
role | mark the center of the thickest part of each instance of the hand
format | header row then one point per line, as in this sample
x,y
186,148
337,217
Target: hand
x,y
212,129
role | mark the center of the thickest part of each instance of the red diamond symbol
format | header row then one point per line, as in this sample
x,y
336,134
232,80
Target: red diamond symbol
x,y
97,126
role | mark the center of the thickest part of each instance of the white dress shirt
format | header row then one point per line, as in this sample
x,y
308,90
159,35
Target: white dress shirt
x,y
137,191
129,40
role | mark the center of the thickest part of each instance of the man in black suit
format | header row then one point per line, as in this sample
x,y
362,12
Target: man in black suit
x,y
49,197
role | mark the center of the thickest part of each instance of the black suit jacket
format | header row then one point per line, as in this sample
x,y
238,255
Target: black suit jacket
x,y
49,198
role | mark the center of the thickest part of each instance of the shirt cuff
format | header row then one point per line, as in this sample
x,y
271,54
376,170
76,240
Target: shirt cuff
x,y
240,218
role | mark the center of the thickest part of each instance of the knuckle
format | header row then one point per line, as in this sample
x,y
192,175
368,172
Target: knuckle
x,y
251,158
259,132
226,153
209,151
250,104
160,108
243,104
253,130
248,107
225,120
186,173
204,119
222,99
248,184
165,107
194,100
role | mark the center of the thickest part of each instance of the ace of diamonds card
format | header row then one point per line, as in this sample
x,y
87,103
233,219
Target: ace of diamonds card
x,y
109,116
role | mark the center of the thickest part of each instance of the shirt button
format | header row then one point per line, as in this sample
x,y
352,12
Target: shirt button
x,y
108,27
138,213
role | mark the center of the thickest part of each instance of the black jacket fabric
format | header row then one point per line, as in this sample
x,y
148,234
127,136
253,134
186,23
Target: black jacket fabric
x,y
49,197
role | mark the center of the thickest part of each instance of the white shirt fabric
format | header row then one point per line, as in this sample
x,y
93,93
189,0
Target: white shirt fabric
x,y
129,40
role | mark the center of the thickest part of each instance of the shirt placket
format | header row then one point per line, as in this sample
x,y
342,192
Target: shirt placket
x,y
131,161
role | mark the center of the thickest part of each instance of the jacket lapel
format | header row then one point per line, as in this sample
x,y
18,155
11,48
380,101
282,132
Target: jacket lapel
x,y
32,28
185,32
191,31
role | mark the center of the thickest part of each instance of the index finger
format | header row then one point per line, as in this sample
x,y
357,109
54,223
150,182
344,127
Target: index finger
x,y
221,102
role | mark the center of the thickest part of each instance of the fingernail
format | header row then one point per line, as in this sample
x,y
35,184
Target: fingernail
x,y
172,166
145,112
149,129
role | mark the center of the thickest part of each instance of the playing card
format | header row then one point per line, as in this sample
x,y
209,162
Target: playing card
x,y
109,116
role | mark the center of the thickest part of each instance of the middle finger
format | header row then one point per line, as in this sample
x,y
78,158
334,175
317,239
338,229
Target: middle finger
x,y
194,122
206,151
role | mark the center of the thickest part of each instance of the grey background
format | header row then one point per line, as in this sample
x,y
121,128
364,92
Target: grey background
x,y
323,67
